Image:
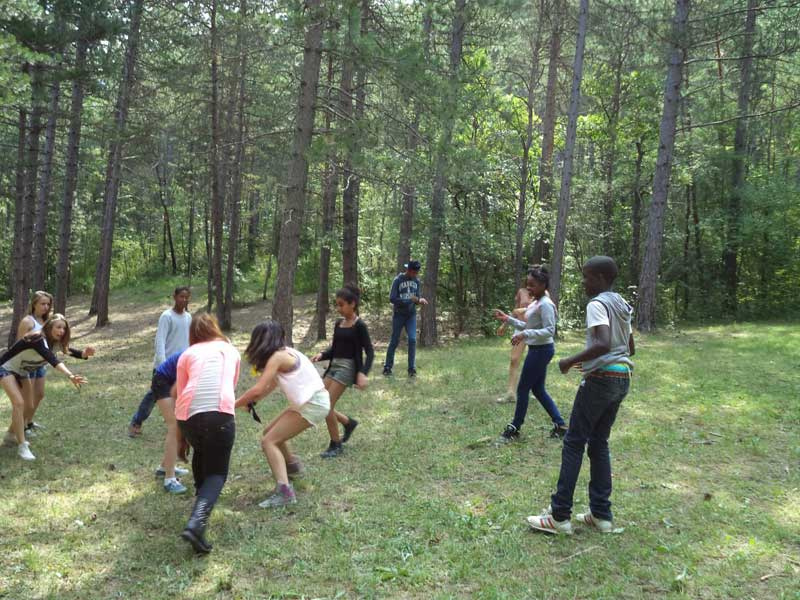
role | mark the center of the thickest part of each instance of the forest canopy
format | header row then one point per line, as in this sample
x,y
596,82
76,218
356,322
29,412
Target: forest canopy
x,y
271,148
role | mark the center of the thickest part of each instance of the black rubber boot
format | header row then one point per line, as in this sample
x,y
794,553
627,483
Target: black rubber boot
x,y
196,527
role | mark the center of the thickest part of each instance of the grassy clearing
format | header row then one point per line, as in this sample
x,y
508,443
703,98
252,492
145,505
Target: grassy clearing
x,y
705,452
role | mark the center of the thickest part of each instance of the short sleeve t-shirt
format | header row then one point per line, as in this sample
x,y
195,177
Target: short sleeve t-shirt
x,y
596,314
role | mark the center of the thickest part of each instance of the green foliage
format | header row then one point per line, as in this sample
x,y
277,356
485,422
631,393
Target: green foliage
x,y
408,97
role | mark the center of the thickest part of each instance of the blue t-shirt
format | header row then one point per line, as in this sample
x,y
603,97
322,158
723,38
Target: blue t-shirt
x,y
403,289
169,368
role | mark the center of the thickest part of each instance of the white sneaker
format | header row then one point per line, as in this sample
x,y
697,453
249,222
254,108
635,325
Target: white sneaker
x,y
545,522
161,472
589,519
24,451
9,440
30,432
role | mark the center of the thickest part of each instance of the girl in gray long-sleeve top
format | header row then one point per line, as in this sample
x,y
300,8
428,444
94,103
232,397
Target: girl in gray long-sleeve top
x,y
537,332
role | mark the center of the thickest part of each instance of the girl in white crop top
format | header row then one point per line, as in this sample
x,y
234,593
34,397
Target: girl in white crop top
x,y
309,403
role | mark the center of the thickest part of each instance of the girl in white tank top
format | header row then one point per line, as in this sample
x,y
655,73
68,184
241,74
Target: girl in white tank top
x,y
309,403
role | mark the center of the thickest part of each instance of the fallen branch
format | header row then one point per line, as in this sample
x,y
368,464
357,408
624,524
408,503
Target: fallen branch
x,y
571,556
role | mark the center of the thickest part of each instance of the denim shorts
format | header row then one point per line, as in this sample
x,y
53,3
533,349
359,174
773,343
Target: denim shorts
x,y
17,376
317,408
342,370
39,373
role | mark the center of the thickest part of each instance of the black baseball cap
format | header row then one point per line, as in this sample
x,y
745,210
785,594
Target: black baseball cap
x,y
414,265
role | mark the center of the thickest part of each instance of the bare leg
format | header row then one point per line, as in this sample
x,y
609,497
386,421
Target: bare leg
x,y
15,394
167,408
335,390
287,425
38,395
513,367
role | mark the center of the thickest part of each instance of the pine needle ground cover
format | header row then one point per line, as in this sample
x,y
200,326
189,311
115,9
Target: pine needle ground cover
x,y
423,504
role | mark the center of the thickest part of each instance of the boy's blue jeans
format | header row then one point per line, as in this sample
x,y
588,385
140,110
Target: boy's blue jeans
x,y
532,378
409,323
593,414
145,407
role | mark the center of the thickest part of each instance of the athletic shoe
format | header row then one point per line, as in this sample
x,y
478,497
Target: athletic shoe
x,y
160,472
349,429
545,522
387,371
282,496
294,469
589,519
9,440
35,425
510,433
173,486
507,398
334,450
134,430
412,373
558,432
24,451
30,432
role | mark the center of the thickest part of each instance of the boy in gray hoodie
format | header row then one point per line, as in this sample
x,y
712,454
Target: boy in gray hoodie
x,y
606,367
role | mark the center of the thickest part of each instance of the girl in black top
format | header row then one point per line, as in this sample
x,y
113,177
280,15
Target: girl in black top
x,y
41,305
347,364
24,357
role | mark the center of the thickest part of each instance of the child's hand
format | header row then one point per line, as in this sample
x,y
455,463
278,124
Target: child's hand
x,y
316,357
88,351
564,365
423,302
517,338
502,329
78,380
499,314
361,381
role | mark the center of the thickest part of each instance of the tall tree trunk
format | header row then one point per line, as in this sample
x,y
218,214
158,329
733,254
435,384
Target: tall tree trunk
x,y
190,233
103,273
39,249
329,191
217,174
409,188
636,215
236,191
18,268
541,250
648,281
428,330
70,177
350,176
253,223
569,149
611,155
209,254
527,141
22,261
161,175
730,253
282,310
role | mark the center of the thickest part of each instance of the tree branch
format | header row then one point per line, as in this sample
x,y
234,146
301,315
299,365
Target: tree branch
x,y
731,119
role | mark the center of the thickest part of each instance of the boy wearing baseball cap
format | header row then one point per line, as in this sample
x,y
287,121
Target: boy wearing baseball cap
x,y
404,298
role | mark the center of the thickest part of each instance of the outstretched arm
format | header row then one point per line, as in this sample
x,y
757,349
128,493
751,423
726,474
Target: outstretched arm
x,y
267,382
